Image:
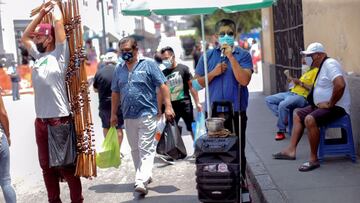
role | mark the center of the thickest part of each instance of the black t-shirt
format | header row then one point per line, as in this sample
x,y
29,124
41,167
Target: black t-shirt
x,y
177,81
102,82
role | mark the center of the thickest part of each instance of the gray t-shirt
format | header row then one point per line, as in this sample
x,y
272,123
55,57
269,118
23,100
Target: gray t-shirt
x,y
48,79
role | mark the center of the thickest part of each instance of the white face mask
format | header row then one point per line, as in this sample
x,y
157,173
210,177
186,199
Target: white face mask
x,y
304,68
308,60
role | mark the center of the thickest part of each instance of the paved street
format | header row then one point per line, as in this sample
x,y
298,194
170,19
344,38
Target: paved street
x,y
171,183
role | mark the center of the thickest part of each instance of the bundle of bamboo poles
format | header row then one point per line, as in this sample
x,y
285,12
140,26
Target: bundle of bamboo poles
x,y
77,87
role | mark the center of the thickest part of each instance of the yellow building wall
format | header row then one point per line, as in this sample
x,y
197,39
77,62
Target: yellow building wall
x,y
267,45
335,24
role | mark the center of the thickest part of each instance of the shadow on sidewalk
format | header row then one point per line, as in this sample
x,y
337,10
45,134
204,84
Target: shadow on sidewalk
x,y
113,188
129,187
166,198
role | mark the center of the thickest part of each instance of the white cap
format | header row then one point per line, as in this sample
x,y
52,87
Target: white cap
x,y
315,47
110,57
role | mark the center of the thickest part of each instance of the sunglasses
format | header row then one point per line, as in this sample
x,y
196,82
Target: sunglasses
x,y
222,34
125,50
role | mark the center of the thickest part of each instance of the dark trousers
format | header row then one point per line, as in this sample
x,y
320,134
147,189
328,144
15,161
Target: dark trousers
x,y
15,90
242,126
52,175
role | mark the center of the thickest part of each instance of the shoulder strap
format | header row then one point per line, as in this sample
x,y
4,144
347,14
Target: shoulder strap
x,y
319,70
310,96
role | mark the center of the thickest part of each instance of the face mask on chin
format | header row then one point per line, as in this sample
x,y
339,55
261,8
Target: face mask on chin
x,y
40,47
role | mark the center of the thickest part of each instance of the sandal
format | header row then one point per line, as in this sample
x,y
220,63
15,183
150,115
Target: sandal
x,y
309,166
283,156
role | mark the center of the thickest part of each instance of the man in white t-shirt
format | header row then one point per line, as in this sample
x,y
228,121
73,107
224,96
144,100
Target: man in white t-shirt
x,y
329,100
47,44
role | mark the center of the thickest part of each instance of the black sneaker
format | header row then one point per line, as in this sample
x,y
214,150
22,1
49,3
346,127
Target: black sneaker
x,y
167,160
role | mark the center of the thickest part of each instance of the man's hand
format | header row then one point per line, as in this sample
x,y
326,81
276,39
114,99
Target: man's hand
x,y
113,120
198,107
324,105
219,69
44,10
296,81
169,113
227,50
158,115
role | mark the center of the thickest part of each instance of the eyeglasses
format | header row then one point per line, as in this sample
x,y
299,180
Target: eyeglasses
x,y
222,34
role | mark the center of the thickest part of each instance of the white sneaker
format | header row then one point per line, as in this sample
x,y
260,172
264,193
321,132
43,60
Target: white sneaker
x,y
141,188
150,180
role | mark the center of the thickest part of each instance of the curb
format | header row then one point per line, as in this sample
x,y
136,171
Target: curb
x,y
265,189
21,91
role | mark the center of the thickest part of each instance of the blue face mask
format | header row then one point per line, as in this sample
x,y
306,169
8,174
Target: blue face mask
x,y
127,56
226,39
167,63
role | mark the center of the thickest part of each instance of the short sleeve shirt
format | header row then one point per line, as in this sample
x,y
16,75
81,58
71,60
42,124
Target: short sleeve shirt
x,y
225,87
177,81
48,79
324,86
307,78
102,82
137,88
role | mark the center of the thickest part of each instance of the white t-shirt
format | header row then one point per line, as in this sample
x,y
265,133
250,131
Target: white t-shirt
x,y
48,79
324,84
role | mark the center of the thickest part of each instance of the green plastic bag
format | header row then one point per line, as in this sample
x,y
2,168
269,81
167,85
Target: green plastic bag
x,y
110,155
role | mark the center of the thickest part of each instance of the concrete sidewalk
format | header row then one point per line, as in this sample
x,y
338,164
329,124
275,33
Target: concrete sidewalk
x,y
337,180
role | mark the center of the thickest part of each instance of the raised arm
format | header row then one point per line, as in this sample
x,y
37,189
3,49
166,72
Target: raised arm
x,y
60,35
26,37
242,75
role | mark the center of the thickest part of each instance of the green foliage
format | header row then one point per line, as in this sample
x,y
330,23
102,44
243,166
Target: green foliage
x,y
245,21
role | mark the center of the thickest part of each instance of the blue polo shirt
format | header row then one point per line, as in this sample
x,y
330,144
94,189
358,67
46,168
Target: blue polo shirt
x,y
138,88
225,87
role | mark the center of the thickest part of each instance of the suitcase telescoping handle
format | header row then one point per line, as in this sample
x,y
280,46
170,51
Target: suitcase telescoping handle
x,y
227,107
223,104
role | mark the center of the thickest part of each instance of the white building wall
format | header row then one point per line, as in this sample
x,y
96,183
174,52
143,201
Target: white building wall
x,y
118,26
14,10
149,26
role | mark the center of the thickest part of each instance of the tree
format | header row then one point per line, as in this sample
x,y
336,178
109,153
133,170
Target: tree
x,y
245,21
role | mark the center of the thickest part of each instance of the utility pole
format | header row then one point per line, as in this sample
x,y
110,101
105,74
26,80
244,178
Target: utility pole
x,y
104,44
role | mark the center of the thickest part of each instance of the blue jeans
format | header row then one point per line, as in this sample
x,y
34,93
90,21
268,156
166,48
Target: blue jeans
x,y
5,180
281,104
15,90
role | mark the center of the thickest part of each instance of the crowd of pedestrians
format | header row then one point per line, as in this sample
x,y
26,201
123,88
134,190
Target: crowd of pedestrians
x,y
134,92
